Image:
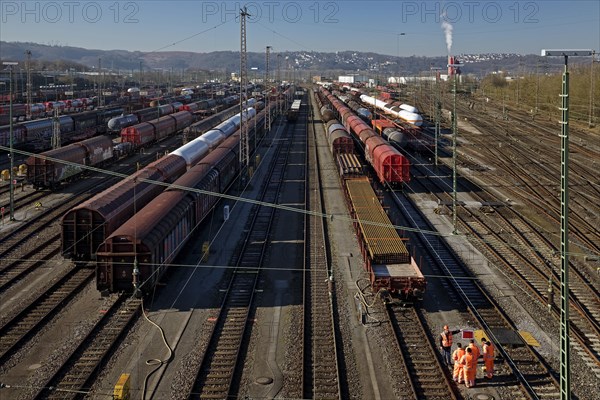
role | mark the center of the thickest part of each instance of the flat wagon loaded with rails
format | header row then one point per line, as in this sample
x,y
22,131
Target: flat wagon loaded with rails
x,y
387,260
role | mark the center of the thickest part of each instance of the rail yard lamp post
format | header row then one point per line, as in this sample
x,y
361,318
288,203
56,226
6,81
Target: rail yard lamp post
x,y
10,65
565,368
398,61
437,112
454,67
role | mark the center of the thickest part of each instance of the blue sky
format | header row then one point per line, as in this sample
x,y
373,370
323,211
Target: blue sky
x,y
203,26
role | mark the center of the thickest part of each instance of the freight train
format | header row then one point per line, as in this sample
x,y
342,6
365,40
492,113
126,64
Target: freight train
x,y
87,225
404,112
36,135
37,110
386,258
198,128
123,121
390,166
157,233
47,171
361,111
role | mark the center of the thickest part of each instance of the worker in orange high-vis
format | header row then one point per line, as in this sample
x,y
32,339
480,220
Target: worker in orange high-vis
x,y
488,358
475,349
469,363
446,344
476,353
457,374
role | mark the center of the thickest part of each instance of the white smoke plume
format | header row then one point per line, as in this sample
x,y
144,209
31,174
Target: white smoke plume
x,y
447,27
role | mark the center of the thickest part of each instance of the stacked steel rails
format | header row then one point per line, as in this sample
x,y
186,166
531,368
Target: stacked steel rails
x,y
321,341
392,271
531,376
215,377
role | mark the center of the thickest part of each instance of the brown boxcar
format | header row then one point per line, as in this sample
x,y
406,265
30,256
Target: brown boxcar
x,y
157,233
49,169
340,141
86,226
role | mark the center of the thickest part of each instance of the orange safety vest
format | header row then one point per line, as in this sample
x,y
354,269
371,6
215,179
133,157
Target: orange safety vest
x,y
488,351
468,362
446,339
475,350
458,353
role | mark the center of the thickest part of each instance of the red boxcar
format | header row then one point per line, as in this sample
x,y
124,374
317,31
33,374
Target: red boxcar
x,y
389,164
183,119
139,135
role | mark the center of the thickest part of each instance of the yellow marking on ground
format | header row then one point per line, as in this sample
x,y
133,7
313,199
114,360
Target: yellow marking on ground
x,y
529,339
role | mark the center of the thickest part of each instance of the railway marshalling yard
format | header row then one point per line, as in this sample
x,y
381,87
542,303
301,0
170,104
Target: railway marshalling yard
x,y
292,328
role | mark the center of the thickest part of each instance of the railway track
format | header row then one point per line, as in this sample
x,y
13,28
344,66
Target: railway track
x,y
528,374
21,327
321,344
428,380
534,181
521,255
76,373
518,245
22,200
221,360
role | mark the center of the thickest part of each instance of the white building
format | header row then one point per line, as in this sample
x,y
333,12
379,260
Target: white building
x,y
352,78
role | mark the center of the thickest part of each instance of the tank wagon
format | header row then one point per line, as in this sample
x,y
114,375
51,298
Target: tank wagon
x,y
404,112
87,225
157,234
198,128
